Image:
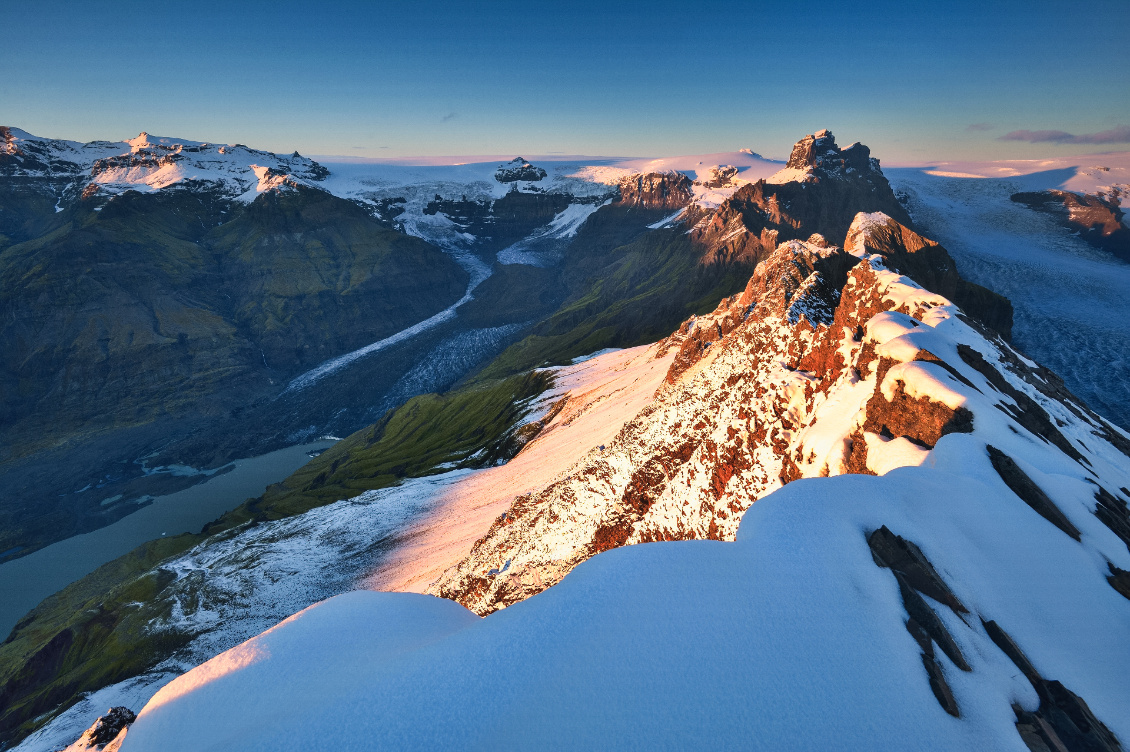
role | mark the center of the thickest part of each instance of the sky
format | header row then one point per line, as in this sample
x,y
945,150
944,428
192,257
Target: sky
x,y
915,81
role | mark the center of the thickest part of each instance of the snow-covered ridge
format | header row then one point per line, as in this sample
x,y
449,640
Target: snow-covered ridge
x,y
395,191
149,163
973,595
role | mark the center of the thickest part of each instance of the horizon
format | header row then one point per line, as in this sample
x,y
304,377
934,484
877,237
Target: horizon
x,y
440,160
957,82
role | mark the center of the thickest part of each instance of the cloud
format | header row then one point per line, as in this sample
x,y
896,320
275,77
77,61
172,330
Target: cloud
x,y
980,127
449,117
1117,135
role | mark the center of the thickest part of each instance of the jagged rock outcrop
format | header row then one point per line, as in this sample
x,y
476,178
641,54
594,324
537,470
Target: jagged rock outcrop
x,y
518,169
928,264
1097,217
828,363
821,190
107,733
656,190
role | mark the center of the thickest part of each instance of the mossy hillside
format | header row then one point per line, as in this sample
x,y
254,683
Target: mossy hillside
x,y
27,208
88,635
96,631
104,304
157,301
464,428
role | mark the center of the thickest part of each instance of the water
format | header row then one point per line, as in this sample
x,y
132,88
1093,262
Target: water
x,y
26,581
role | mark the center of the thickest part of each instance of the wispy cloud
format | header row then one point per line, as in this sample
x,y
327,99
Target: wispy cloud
x,y
1117,135
980,127
449,117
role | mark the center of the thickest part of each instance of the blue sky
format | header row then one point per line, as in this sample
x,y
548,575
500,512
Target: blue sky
x,y
913,81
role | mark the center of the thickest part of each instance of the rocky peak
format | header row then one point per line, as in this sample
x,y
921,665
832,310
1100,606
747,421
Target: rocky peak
x,y
518,169
657,190
897,247
819,151
1097,217
721,176
820,191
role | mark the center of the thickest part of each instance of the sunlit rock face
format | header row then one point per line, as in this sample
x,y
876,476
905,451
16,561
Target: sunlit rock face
x,y
821,189
830,362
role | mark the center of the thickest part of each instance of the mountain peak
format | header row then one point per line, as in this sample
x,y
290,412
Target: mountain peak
x,y
518,169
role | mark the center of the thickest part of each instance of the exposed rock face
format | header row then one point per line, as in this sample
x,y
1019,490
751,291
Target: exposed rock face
x,y
656,190
820,150
1097,218
518,169
826,187
928,264
107,733
721,176
829,362
144,161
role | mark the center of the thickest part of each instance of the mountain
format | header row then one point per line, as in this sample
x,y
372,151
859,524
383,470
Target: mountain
x,y
1097,217
162,294
948,551
870,520
134,317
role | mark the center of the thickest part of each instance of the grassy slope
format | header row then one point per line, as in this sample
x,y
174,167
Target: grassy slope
x,y
170,306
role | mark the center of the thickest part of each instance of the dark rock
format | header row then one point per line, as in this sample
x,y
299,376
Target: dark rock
x,y
656,190
1026,411
1030,493
1063,721
902,556
107,728
1113,512
1119,579
518,169
1096,217
914,573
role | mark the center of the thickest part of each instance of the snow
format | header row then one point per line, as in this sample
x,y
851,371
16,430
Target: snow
x,y
790,633
149,163
238,584
544,246
1070,299
602,392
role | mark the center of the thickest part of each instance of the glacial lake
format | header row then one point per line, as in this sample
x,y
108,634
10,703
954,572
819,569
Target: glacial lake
x,y
26,581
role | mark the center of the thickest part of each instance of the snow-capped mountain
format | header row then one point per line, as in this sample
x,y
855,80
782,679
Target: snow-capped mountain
x,y
150,163
869,520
